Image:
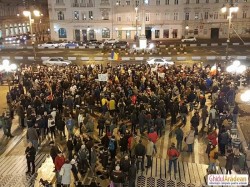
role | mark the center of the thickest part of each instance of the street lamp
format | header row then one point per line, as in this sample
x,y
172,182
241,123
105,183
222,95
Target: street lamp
x,y
136,24
245,97
230,10
236,67
7,67
28,14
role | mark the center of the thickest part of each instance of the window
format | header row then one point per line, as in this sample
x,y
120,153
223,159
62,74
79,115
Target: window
x,y
197,1
187,1
207,1
59,2
175,15
62,33
119,18
167,16
105,33
196,15
76,15
157,33
158,2
60,15
216,1
187,16
91,15
244,14
166,33
118,3
84,17
215,15
158,16
147,17
137,3
128,3
206,15
196,31
166,2
128,34
176,2
175,33
234,15
146,2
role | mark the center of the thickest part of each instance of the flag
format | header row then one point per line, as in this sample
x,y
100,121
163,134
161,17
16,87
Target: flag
x,y
114,56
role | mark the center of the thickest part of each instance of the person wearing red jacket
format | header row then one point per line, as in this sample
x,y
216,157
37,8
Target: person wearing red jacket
x,y
59,161
173,155
153,137
212,137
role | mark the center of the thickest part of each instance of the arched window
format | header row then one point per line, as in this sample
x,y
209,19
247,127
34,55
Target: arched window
x,y
62,33
105,33
60,15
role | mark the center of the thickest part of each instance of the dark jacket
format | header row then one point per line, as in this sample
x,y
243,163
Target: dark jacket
x,y
179,134
54,151
117,177
229,161
224,138
30,153
32,134
132,173
140,150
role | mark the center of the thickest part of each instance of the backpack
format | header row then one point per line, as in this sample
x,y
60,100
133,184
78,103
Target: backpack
x,y
111,145
216,155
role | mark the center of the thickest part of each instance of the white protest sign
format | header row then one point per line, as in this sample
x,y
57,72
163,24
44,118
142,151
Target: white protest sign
x,y
103,77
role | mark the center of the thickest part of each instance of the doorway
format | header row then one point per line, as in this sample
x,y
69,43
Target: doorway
x,y
148,33
77,35
215,33
84,35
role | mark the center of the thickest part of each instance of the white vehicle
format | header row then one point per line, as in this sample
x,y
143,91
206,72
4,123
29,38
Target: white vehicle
x,y
56,61
189,39
111,41
49,45
160,61
63,44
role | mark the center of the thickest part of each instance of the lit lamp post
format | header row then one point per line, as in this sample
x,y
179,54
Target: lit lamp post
x,y
136,24
230,10
7,67
237,68
28,14
186,29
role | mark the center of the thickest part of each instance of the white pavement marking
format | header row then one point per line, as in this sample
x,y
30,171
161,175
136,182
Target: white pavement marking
x,y
196,150
165,146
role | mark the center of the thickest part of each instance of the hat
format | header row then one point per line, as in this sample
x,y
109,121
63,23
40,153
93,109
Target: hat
x,y
83,146
29,106
72,161
126,157
77,106
54,109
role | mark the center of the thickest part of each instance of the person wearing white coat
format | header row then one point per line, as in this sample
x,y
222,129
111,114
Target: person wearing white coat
x,y
66,174
189,139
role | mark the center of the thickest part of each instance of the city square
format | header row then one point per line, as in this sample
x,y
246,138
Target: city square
x,y
113,93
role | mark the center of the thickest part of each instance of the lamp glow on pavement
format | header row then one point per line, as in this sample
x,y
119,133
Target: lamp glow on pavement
x,y
236,67
245,97
151,46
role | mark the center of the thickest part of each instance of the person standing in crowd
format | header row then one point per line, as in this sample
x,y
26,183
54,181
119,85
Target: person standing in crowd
x,y
52,127
54,150
117,177
153,137
159,125
74,169
83,155
179,137
213,117
30,153
149,153
189,139
140,152
213,156
70,124
223,139
65,172
195,120
7,124
204,115
32,136
61,127
173,155
93,159
101,125
235,113
59,161
70,147
183,113
132,142
125,165
229,161
132,174
112,147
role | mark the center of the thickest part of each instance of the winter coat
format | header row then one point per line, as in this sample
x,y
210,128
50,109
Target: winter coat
x,y
66,177
140,150
30,153
212,153
224,138
59,161
212,137
190,137
32,134
229,161
195,121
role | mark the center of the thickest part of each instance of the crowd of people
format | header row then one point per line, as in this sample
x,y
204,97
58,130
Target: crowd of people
x,y
131,106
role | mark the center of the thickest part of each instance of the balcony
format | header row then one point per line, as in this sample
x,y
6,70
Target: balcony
x,y
75,4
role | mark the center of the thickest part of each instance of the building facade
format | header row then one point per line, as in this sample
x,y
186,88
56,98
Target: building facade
x,y
82,20
11,24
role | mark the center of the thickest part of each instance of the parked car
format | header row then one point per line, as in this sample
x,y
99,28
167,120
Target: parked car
x,y
49,45
111,41
189,39
63,44
121,44
95,44
56,61
160,61
71,44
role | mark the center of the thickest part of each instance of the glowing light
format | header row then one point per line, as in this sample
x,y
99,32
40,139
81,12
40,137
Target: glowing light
x,y
245,97
236,63
26,13
241,69
224,9
36,13
151,46
230,69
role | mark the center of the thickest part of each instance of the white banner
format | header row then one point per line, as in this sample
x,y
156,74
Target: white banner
x,y
103,77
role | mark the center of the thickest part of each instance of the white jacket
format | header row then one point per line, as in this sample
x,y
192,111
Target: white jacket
x,y
50,122
190,137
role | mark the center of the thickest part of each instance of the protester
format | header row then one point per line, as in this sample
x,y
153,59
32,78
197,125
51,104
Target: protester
x,y
173,155
30,156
